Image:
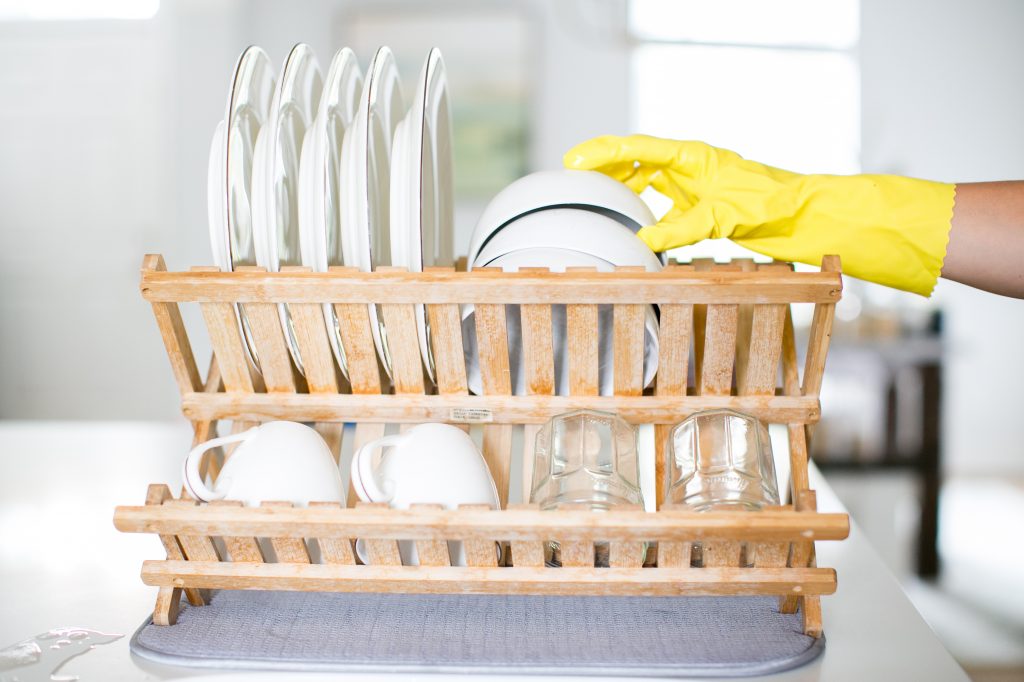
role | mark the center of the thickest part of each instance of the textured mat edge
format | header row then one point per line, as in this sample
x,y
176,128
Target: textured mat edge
x,y
285,665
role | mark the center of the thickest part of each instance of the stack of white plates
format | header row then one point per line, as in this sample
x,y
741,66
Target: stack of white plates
x,y
314,171
561,219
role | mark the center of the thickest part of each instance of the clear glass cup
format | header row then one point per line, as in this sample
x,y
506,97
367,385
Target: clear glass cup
x,y
585,458
721,459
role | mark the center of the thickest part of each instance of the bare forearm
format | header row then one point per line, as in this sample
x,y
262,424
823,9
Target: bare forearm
x,y
986,242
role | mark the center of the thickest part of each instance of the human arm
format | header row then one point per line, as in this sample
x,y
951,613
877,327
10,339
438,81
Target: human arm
x,y
986,242
888,229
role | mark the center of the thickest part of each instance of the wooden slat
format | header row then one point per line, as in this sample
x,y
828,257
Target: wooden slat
x,y
492,345
289,550
227,346
404,348
335,550
503,580
244,548
770,554
479,551
175,338
379,551
628,345
446,344
194,546
821,334
538,349
575,552
674,554
332,433
744,324
342,285
360,353
512,524
763,350
502,409
623,554
156,495
581,346
722,553
432,552
802,552
495,375
527,552
790,371
168,605
497,451
322,373
811,607
799,479
676,330
268,337
715,377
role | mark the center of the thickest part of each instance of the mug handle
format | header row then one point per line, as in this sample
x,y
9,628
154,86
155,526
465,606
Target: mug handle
x,y
363,480
194,483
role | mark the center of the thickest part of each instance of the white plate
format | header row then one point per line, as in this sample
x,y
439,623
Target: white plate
x,y
366,170
557,260
252,90
422,191
320,179
275,180
551,188
573,229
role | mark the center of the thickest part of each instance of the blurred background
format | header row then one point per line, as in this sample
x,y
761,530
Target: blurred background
x,y
108,107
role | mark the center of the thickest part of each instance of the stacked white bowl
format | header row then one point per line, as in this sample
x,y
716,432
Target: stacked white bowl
x,y
560,219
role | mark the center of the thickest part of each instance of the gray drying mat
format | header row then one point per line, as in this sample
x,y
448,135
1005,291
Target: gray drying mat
x,y
646,636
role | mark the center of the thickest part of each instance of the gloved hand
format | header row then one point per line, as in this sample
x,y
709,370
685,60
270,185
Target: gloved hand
x,y
887,229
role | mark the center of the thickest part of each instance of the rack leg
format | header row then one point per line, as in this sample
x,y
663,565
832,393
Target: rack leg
x,y
168,604
811,609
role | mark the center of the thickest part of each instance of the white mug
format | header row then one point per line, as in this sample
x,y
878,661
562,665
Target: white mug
x,y
428,464
279,461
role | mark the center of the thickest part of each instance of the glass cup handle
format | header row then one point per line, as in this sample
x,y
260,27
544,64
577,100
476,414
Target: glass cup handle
x,y
363,479
190,471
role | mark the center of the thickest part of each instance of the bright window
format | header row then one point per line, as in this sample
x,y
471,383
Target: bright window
x,y
776,81
39,10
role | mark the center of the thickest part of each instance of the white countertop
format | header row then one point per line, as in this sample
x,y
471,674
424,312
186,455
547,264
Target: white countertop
x,y
63,564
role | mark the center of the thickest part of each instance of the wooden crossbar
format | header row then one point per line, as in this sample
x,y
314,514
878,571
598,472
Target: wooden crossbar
x,y
477,580
347,285
509,524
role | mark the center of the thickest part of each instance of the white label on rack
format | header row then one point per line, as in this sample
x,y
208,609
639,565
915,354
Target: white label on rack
x,y
470,415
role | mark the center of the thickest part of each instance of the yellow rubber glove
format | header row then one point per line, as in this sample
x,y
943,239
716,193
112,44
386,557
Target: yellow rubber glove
x,y
887,229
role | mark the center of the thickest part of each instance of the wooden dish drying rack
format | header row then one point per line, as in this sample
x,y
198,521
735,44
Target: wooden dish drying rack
x,y
730,322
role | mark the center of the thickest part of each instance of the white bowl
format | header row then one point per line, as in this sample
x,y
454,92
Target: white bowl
x,y
589,190
574,230
557,260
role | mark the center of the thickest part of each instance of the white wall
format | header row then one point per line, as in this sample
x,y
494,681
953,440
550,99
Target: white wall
x,y
943,93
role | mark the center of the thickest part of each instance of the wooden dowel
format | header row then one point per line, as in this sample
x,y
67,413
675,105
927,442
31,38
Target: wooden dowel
x,y
342,285
671,525
503,580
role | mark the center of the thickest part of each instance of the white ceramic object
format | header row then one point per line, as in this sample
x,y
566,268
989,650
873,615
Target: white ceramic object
x,y
574,230
422,189
589,190
366,169
428,464
258,471
320,179
275,180
556,260
248,105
